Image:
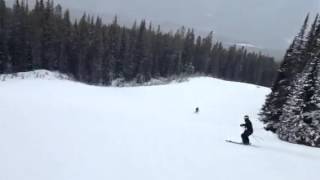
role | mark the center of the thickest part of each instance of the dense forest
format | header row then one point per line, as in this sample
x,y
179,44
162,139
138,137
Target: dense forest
x,y
45,37
292,110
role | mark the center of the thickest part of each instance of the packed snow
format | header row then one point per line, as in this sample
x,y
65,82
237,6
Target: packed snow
x,y
37,74
56,129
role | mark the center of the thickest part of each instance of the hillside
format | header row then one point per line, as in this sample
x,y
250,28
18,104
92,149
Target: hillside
x,y
53,128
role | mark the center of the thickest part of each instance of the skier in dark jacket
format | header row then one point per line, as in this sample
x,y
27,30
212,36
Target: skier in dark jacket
x,y
197,110
248,130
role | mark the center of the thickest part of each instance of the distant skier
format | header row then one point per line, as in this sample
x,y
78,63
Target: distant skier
x,y
248,130
197,110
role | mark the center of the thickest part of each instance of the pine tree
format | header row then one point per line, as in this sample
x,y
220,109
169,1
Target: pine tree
x,y
18,42
49,38
65,48
312,35
157,49
126,67
142,55
188,52
299,121
97,53
37,21
3,37
206,46
292,64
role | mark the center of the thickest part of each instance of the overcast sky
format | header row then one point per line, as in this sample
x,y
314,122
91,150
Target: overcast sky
x,y
265,23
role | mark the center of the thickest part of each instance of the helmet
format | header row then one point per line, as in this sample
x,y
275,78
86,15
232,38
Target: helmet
x,y
246,117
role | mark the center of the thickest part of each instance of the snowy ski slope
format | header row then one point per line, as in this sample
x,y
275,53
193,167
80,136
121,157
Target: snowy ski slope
x,y
56,129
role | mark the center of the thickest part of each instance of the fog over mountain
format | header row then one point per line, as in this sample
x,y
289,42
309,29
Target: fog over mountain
x,y
265,24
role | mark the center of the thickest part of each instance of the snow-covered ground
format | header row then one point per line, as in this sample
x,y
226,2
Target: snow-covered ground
x,y
55,129
38,74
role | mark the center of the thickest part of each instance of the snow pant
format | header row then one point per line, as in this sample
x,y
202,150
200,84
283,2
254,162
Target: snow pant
x,y
245,137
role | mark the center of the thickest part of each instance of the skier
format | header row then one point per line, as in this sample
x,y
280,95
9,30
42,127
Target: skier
x,y
197,110
248,130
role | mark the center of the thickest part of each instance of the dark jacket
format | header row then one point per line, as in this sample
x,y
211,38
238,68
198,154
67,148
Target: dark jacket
x,y
247,126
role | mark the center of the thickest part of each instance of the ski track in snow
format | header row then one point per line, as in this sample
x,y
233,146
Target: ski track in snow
x,y
53,129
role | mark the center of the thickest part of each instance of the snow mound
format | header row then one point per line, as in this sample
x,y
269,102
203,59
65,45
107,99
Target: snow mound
x,y
153,82
52,75
37,74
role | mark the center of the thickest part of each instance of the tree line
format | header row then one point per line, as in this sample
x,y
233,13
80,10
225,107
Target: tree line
x,y
292,110
44,37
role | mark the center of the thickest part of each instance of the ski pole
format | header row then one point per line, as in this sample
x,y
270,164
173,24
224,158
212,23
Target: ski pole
x,y
257,137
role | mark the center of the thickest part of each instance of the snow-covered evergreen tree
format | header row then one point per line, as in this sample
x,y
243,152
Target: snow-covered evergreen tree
x,y
3,37
292,110
299,122
293,63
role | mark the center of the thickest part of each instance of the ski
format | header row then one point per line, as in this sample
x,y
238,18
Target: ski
x,y
239,143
